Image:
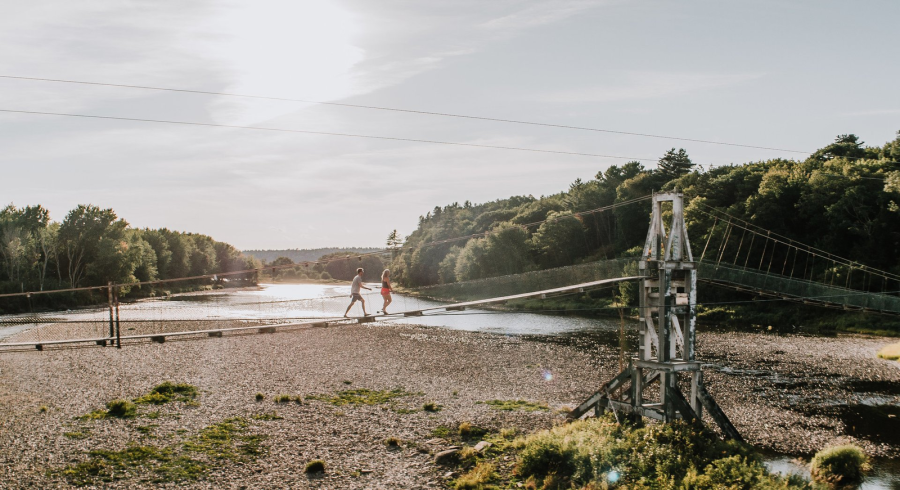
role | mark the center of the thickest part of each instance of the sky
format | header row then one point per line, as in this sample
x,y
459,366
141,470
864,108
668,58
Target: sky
x,y
788,75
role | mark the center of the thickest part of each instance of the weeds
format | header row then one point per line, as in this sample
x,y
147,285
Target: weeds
x,y
360,396
260,397
477,478
77,435
431,407
43,409
441,431
392,442
283,399
315,466
166,392
267,416
468,431
511,405
226,440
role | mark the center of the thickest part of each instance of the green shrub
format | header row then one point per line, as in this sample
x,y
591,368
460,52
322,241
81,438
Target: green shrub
x,y
431,407
839,465
597,452
315,466
734,472
122,409
260,397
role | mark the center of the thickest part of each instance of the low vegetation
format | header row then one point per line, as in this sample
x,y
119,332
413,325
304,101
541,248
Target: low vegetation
x,y
431,407
839,465
601,454
361,396
511,405
890,352
477,478
189,460
315,466
168,392
267,416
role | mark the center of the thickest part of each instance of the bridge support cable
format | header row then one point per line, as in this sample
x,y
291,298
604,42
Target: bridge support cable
x,y
668,324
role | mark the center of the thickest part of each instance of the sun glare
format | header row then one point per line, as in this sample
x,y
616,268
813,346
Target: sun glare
x,y
298,50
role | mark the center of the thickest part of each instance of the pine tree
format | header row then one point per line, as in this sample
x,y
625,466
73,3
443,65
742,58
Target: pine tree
x,y
674,163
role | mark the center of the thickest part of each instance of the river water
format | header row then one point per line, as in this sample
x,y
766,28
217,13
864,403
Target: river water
x,y
314,301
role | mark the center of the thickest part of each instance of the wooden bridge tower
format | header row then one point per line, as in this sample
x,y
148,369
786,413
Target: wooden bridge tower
x,y
666,353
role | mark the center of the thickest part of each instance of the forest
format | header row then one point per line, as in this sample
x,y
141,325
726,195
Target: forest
x,y
843,198
93,246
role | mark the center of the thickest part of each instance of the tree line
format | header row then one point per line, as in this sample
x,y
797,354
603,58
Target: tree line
x,y
93,246
843,198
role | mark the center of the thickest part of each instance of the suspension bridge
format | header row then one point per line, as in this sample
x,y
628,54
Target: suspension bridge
x,y
735,255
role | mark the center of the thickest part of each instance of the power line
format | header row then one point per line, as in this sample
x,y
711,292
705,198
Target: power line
x,y
325,133
410,111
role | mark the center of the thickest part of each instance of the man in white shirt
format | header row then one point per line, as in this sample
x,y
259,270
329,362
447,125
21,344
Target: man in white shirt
x,y
354,292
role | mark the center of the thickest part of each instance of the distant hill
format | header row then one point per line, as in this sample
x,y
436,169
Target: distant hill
x,y
303,255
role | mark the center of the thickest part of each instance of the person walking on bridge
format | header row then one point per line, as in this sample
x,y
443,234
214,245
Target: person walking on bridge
x,y
386,290
354,292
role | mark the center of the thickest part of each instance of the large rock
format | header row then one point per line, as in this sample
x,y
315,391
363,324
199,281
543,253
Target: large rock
x,y
447,456
481,446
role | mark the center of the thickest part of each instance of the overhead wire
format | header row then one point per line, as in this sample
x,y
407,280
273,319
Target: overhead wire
x,y
324,133
408,111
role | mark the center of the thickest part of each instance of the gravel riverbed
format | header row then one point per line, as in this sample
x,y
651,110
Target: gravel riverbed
x,y
792,394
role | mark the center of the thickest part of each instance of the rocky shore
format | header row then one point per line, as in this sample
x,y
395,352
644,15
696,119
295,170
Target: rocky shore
x,y
792,394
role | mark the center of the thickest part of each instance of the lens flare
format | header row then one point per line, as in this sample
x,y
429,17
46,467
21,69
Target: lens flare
x,y
547,375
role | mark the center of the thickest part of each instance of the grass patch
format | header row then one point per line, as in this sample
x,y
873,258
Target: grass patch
x,y
77,435
441,431
315,466
360,396
477,478
166,392
226,441
468,431
122,409
146,429
43,409
284,399
153,415
267,416
511,405
839,465
189,461
162,466
392,442
431,407
260,397
890,352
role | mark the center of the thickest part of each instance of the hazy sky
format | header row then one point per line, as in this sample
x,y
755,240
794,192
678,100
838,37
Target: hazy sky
x,y
771,73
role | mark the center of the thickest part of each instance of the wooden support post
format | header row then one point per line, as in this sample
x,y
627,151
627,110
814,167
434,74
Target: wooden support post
x,y
109,292
118,329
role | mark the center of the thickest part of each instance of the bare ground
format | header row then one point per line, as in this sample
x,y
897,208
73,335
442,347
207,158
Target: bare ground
x,y
793,394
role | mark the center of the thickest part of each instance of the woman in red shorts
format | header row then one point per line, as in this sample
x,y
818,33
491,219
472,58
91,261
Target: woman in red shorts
x,y
386,290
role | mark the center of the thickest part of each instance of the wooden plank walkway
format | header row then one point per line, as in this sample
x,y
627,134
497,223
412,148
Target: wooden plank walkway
x,y
325,322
